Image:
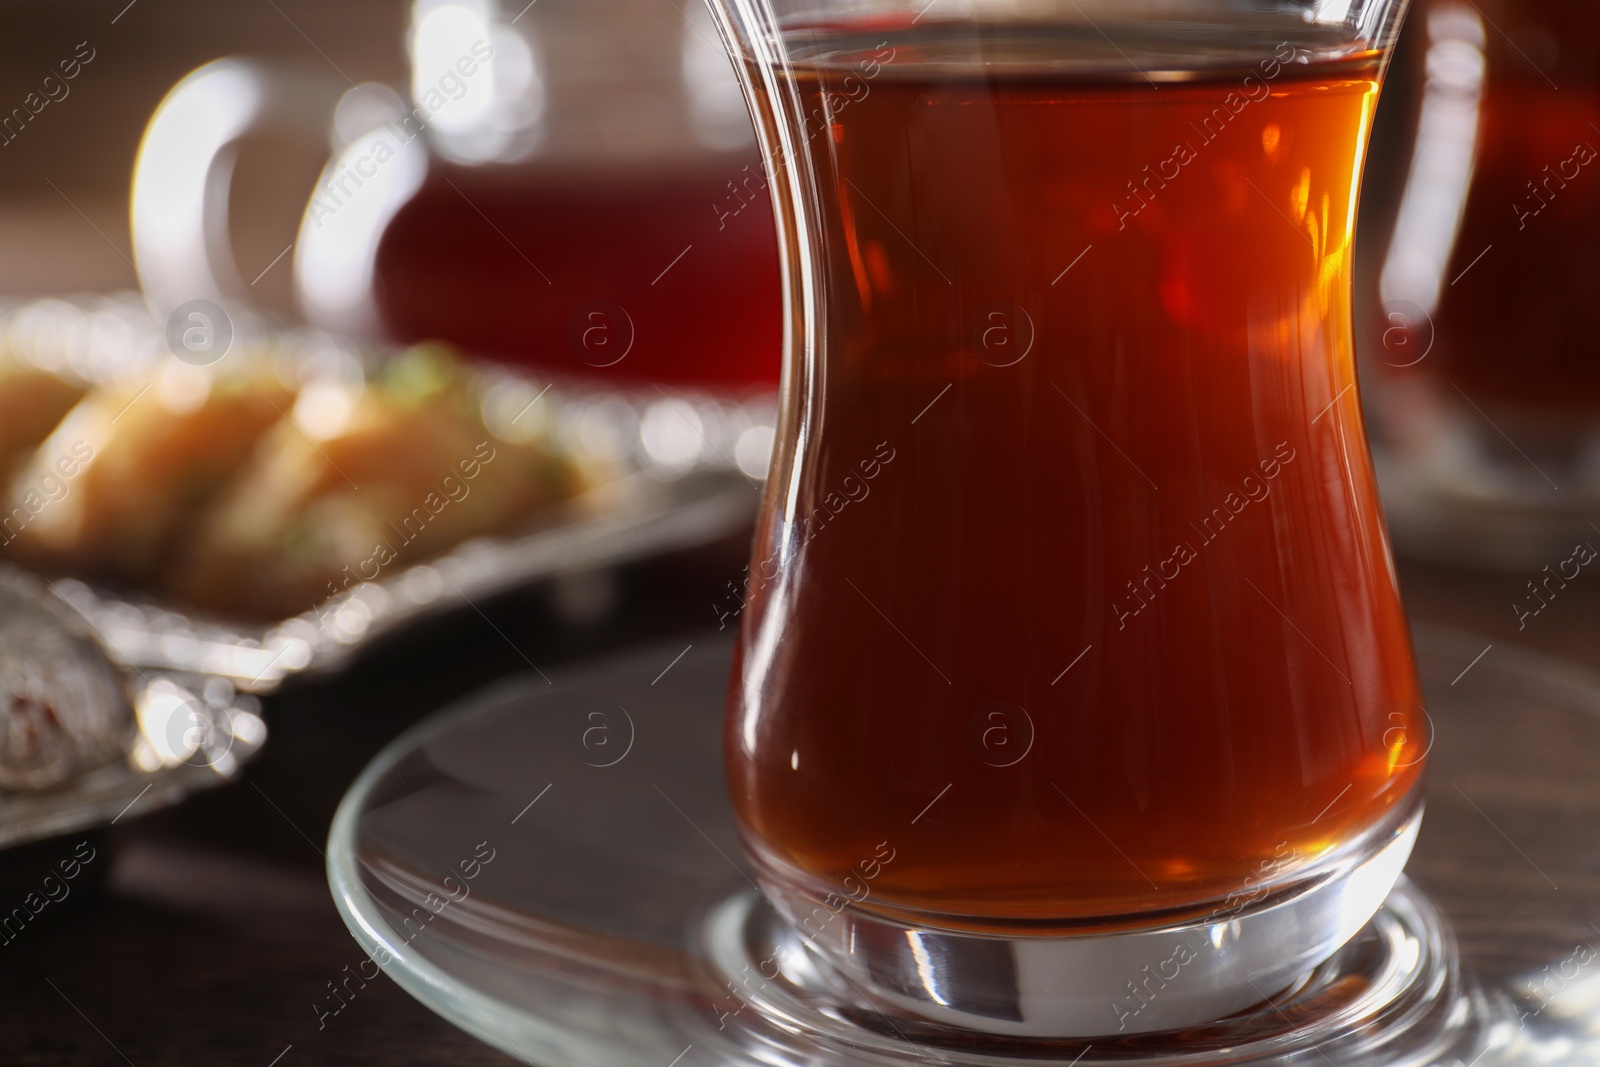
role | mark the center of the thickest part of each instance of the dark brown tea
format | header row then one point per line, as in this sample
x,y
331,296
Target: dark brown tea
x,y
1081,602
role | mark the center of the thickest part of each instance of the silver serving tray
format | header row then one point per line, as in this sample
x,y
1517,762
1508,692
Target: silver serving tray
x,y
226,737
686,475
688,469
188,732
632,519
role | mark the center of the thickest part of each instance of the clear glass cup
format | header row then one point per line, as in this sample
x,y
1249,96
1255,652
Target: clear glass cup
x,y
1074,694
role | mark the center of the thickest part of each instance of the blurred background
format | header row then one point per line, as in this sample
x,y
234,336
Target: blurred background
x,y
1474,282
74,237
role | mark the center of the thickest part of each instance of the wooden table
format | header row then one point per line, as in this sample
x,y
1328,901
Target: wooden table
x,y
215,936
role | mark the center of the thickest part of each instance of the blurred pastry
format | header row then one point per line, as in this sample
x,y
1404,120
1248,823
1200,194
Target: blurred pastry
x,y
111,490
32,402
360,479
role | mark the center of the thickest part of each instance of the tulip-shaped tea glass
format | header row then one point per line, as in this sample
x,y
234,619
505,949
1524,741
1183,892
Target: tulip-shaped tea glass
x,y
1074,694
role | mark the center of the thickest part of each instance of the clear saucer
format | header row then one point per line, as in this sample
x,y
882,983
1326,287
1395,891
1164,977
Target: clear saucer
x,y
554,869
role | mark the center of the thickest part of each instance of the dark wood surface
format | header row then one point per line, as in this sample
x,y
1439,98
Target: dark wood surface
x,y
212,934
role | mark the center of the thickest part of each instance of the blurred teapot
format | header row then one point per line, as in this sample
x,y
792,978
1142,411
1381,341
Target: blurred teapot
x,y
572,186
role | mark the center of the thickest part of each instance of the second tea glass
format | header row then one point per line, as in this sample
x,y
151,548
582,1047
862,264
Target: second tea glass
x,y
1476,287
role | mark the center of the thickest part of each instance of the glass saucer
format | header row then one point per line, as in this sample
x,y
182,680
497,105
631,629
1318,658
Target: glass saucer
x,y
554,869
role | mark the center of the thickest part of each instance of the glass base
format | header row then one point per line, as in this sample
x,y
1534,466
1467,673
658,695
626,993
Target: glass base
x,y
1395,991
555,870
1141,980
